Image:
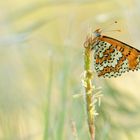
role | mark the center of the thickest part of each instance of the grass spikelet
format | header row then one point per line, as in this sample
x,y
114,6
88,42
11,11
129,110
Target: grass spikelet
x,y
92,94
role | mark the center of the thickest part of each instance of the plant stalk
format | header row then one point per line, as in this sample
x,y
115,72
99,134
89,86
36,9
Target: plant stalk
x,y
89,90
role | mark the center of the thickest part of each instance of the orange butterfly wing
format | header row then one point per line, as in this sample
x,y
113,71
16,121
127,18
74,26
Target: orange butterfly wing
x,y
113,57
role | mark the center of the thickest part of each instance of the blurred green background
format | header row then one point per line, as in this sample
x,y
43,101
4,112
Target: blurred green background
x,y
41,62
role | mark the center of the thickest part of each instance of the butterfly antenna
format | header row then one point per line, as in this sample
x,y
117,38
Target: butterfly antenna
x,y
113,31
109,26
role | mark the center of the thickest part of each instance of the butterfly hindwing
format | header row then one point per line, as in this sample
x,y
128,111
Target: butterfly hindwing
x,y
112,57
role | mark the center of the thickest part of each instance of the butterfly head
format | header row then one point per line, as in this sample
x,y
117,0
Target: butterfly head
x,y
97,32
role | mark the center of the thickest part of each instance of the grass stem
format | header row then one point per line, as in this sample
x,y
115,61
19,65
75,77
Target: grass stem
x,y
88,78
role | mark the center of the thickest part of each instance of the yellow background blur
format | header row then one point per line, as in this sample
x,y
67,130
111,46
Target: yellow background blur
x,y
41,62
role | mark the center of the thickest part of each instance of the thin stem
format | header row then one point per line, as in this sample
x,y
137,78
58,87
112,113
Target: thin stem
x,y
89,90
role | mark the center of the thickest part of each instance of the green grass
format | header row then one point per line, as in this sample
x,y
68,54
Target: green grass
x,y
48,100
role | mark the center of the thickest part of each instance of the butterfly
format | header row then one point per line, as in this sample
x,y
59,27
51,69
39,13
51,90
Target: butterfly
x,y
111,56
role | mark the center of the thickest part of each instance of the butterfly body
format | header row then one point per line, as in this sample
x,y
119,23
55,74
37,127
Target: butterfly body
x,y
113,57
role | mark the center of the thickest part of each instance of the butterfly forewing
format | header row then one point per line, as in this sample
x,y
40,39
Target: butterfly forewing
x,y
112,57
